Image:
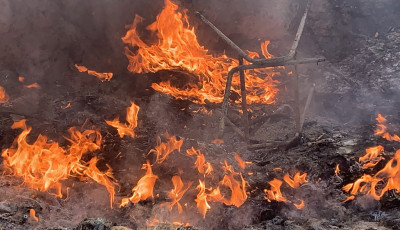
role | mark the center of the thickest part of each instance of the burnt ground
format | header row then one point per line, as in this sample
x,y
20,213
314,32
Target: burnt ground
x,y
358,81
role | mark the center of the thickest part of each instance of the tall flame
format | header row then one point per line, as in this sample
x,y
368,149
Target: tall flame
x,y
131,118
178,48
144,188
101,76
3,96
201,199
381,130
43,164
238,189
242,164
275,192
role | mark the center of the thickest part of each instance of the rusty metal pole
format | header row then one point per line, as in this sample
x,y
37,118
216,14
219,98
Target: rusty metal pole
x,y
244,102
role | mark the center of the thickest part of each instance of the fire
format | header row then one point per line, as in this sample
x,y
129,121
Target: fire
x,y
300,206
201,199
101,76
144,187
32,213
297,180
202,166
131,118
34,85
275,192
381,130
372,156
3,96
238,189
177,48
177,192
384,180
337,170
242,164
163,149
43,164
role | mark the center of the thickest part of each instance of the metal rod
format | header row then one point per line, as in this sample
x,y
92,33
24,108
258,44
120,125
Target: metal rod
x,y
244,102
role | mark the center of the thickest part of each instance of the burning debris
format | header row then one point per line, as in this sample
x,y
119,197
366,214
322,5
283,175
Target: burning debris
x,y
283,170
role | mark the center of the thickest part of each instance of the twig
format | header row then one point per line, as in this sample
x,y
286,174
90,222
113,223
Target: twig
x,y
235,128
297,98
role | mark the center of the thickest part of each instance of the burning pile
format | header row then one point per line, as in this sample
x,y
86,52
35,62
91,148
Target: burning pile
x,y
177,48
385,179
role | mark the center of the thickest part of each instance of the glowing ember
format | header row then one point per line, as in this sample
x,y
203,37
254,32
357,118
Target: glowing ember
x,y
131,118
297,180
202,166
242,164
3,96
43,165
144,187
32,213
201,199
34,85
300,206
101,76
163,149
217,141
177,192
178,49
275,192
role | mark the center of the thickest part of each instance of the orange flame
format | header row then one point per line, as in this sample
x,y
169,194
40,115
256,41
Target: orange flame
x,y
34,85
238,195
242,164
300,206
3,96
153,222
372,156
101,76
337,170
177,192
275,192
32,213
44,164
381,130
164,149
202,166
178,48
201,199
131,118
217,141
144,187
297,180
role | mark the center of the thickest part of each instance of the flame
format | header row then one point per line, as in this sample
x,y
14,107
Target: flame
x,y
177,48
43,165
32,213
300,206
202,166
384,180
297,180
372,156
275,192
144,187
3,96
242,164
381,130
153,222
34,85
238,195
201,199
337,170
101,76
177,192
131,118
163,149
